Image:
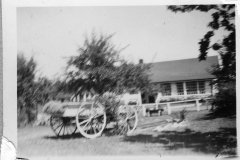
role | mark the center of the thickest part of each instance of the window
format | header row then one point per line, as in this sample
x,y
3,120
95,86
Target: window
x,y
201,87
166,89
191,87
195,87
180,88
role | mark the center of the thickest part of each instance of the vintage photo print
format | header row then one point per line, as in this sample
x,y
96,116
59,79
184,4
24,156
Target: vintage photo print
x,y
132,79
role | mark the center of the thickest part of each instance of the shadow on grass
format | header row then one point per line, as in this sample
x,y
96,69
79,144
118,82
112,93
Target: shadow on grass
x,y
212,115
106,132
222,142
73,136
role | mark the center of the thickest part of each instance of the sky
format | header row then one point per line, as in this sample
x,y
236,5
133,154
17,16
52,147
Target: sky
x,y
152,33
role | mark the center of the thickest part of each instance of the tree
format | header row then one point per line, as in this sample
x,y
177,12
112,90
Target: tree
x,y
99,67
223,16
31,92
26,88
47,89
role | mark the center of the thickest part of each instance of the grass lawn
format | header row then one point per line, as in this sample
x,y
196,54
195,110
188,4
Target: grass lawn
x,y
209,135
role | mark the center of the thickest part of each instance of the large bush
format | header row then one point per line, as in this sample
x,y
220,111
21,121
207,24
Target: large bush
x,y
225,100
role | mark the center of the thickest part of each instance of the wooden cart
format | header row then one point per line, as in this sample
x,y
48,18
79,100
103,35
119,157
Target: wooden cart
x,y
90,119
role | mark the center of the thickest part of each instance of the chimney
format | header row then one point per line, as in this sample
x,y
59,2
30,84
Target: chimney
x,y
140,61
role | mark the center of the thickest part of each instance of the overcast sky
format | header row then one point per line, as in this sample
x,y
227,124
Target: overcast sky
x,y
153,33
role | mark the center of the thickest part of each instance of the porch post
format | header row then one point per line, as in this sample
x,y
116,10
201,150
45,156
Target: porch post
x,y
198,87
140,98
84,97
184,89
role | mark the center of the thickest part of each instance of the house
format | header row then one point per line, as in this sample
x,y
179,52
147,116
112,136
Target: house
x,y
182,78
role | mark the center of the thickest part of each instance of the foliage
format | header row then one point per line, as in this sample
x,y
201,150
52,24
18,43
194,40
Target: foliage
x,y
153,89
223,16
174,99
112,104
26,89
225,99
31,91
181,115
99,68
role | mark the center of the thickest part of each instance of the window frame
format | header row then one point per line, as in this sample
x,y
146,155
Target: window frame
x,y
203,89
169,89
180,88
193,88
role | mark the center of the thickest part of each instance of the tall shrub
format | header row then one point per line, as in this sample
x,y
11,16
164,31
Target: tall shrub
x,y
26,90
225,99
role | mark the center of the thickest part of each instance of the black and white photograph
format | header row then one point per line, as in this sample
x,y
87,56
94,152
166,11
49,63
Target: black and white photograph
x,y
126,80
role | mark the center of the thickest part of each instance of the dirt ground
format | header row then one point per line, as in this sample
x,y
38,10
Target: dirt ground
x,y
209,135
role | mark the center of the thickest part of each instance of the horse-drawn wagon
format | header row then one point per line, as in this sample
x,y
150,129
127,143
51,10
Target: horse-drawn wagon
x,y
89,118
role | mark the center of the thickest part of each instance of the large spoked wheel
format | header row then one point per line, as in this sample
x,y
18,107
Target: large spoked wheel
x,y
127,119
91,119
62,126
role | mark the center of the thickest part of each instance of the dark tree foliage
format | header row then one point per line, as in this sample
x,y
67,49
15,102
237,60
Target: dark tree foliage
x,y
48,89
31,91
27,95
225,100
223,16
100,68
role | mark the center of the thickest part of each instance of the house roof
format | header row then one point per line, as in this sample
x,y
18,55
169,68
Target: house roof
x,y
185,69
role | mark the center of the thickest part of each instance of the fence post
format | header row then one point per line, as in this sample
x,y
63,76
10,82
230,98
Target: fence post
x,y
144,111
168,108
197,104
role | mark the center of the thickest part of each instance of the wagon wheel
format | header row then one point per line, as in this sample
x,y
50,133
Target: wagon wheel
x,y
91,119
127,119
62,126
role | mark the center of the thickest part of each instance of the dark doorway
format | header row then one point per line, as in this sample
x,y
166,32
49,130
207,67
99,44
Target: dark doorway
x,y
151,99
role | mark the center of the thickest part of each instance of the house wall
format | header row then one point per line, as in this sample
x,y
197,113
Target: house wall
x,y
208,91
174,89
208,87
